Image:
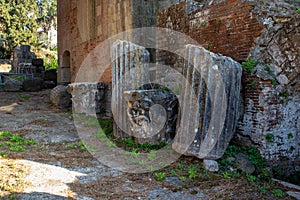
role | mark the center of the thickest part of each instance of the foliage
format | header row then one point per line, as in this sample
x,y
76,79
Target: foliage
x,y
80,145
14,142
160,176
249,65
192,173
18,24
254,155
278,193
270,137
250,82
51,63
46,17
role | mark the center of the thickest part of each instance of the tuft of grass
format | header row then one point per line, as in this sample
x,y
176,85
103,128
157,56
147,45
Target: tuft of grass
x,y
79,144
25,97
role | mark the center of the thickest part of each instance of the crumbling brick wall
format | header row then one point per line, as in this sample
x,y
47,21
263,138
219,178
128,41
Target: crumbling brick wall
x,y
268,32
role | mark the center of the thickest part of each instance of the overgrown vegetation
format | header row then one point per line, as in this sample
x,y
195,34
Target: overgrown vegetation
x,y
249,65
14,142
51,63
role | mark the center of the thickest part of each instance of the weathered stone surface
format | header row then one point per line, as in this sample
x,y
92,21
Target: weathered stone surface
x,y
152,114
33,84
209,102
49,85
12,85
37,62
50,75
244,164
174,181
164,193
87,98
273,108
60,97
296,195
130,71
211,165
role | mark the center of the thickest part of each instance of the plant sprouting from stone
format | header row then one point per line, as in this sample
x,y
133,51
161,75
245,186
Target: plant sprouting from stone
x,y
270,137
249,65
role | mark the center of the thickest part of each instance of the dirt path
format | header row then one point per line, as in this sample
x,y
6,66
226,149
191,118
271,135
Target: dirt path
x,y
57,167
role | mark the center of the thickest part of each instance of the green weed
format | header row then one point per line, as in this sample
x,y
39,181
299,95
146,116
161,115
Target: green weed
x,y
270,137
160,176
192,173
278,193
80,145
14,142
249,65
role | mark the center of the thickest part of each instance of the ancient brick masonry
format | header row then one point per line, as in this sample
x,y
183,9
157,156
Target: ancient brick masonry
x,y
227,28
269,33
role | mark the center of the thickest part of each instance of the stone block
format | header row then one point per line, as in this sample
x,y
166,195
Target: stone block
x,y
209,104
60,97
87,98
33,84
12,85
37,62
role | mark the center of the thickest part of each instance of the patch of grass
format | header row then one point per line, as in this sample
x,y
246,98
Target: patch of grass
x,y
25,97
129,143
182,178
79,144
278,193
251,178
298,11
284,95
14,142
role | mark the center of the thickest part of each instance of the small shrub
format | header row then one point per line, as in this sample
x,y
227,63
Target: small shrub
x,y
192,173
160,176
51,63
249,65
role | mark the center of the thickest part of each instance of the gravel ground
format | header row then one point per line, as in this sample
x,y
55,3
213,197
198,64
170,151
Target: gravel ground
x,y
53,169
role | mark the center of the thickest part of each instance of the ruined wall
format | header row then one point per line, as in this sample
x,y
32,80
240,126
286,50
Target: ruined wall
x,y
271,118
268,32
83,24
228,28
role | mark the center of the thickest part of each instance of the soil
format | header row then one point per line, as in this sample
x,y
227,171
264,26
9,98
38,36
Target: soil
x,y
55,168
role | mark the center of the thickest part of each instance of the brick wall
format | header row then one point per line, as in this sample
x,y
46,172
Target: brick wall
x,y
228,28
85,24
